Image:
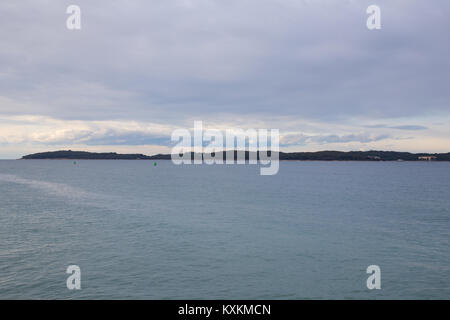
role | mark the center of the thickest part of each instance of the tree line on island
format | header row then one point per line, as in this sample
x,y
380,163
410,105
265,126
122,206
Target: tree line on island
x,y
319,155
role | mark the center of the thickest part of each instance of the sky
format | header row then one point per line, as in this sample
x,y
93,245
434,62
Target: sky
x,y
137,70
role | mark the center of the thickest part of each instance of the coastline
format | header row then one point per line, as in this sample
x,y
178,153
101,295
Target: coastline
x,y
371,156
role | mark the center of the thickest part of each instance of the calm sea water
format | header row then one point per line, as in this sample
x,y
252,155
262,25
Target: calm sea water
x,y
204,232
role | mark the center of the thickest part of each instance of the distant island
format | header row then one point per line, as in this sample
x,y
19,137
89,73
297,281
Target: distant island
x,y
319,156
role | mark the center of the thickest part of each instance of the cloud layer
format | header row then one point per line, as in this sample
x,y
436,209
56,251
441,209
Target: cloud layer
x,y
138,69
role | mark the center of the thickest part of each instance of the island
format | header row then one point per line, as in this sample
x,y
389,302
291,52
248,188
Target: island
x,y
305,156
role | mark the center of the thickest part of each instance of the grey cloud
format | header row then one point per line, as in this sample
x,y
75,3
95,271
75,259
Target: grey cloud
x,y
400,127
131,139
173,59
302,139
410,127
104,137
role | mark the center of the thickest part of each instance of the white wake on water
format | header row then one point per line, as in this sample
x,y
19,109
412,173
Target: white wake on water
x,y
54,188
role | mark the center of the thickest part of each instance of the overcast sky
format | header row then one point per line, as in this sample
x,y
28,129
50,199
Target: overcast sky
x,y
139,69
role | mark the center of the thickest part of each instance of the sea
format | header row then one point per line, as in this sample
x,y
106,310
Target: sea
x,y
155,230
